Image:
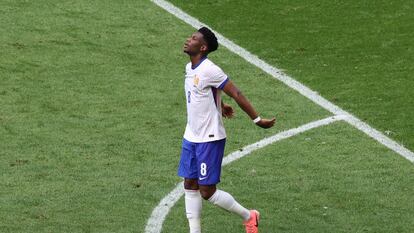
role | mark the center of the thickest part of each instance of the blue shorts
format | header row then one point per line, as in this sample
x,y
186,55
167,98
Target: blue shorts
x,y
202,161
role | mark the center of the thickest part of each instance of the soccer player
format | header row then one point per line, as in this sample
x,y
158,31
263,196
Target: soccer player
x,y
205,136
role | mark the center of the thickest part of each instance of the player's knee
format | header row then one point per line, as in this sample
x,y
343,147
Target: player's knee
x,y
206,195
207,192
191,184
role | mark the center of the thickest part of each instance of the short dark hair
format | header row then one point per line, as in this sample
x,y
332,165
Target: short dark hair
x,y
210,38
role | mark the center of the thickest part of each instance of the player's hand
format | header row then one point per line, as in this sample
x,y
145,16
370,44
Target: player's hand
x,y
266,123
227,111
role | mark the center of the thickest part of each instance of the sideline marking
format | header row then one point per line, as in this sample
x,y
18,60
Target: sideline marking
x,y
158,215
292,83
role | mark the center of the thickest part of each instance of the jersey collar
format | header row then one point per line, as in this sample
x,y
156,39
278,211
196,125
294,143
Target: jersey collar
x,y
201,61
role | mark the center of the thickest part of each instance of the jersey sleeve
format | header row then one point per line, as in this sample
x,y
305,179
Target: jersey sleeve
x,y
216,77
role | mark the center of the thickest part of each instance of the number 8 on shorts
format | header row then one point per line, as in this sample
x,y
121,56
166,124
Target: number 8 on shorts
x,y
203,169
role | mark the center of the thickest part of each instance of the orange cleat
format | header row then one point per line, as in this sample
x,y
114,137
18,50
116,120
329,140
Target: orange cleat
x,y
252,225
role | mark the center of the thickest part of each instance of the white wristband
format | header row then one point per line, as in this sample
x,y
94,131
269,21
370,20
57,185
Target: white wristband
x,y
257,119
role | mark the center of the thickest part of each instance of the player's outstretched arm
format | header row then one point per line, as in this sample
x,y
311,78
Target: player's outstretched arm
x,y
231,90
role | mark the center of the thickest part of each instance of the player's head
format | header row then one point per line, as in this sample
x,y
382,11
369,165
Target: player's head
x,y
203,41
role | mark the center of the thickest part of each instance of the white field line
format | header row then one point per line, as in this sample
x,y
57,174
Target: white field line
x,y
279,75
277,137
158,215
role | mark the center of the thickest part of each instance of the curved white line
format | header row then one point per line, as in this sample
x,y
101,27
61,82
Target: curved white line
x,y
158,215
154,224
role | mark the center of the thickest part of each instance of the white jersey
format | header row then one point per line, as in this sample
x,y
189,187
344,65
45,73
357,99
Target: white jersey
x,y
203,86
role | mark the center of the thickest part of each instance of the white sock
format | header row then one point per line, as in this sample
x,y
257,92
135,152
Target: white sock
x,y
227,202
193,209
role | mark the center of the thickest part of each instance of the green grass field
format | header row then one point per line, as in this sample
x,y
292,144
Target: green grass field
x,y
92,114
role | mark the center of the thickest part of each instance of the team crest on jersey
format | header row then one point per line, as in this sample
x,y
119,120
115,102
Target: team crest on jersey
x,y
196,80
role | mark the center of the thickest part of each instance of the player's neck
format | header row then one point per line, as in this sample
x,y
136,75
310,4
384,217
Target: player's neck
x,y
197,59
